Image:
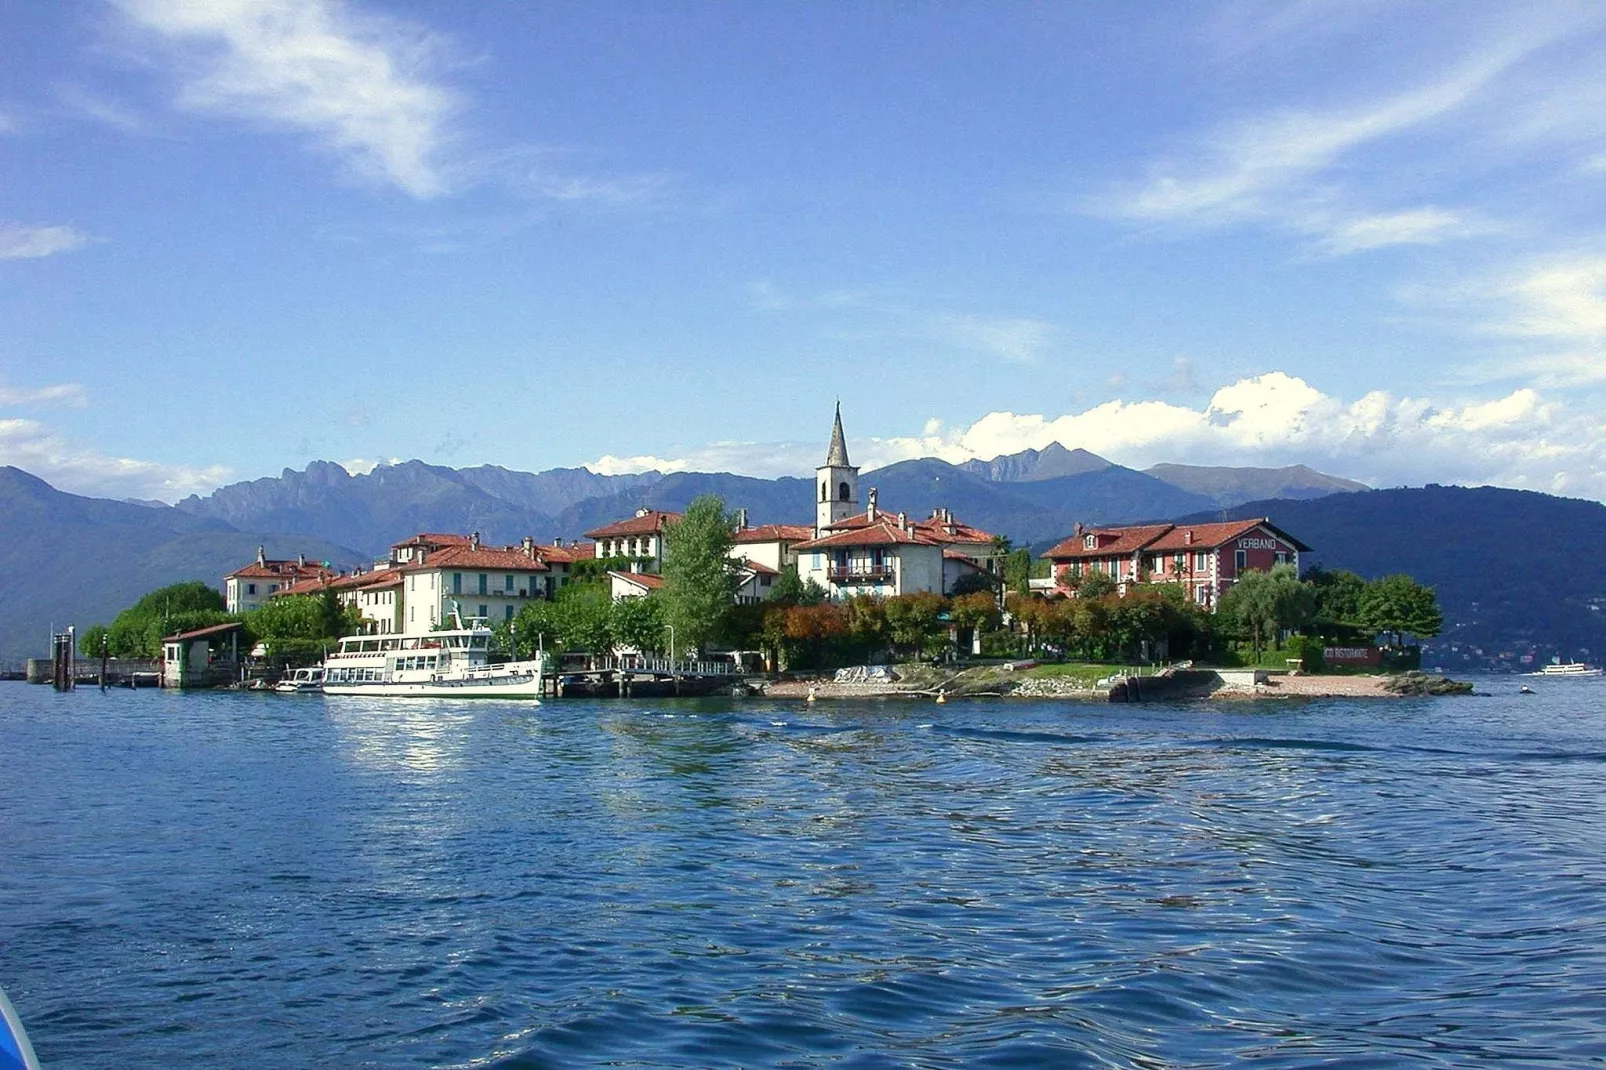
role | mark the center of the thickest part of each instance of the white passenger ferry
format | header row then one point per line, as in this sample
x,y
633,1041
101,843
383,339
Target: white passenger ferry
x,y
1571,668
446,664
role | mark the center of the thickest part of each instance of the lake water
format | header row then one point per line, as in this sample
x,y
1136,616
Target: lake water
x,y
242,881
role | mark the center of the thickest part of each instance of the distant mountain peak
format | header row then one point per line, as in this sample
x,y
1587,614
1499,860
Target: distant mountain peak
x,y
1051,462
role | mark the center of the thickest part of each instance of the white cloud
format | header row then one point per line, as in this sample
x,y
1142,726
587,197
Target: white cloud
x,y
1562,299
101,109
21,241
1020,341
358,83
1418,226
69,466
609,465
1521,439
361,466
1292,167
59,393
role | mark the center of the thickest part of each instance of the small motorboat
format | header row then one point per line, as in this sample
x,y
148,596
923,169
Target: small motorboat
x,y
1526,690
301,681
15,1051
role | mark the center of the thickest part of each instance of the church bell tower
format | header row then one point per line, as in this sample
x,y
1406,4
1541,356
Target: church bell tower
x,y
836,482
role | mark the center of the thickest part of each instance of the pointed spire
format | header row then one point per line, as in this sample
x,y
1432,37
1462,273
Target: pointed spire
x,y
837,457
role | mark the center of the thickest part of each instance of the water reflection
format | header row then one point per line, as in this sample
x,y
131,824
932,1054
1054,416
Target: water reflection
x,y
427,736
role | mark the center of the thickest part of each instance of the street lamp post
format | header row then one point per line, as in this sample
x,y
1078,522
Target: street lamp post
x,y
671,628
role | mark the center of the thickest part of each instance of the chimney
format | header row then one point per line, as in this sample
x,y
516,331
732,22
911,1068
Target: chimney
x,y
741,520
871,513
301,560
529,547
903,522
1078,528
262,555
474,541
642,511
1187,537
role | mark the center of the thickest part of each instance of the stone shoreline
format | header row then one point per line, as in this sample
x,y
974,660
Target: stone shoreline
x,y
1060,687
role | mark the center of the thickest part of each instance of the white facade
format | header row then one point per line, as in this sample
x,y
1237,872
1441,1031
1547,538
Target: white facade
x,y
899,568
430,593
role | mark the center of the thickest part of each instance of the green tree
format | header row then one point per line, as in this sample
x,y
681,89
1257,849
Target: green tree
x,y
579,619
1338,601
298,629
1263,603
1091,583
137,631
699,576
1396,605
1017,571
913,622
639,623
975,582
89,642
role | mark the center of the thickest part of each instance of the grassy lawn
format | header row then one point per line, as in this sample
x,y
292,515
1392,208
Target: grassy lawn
x,y
1086,671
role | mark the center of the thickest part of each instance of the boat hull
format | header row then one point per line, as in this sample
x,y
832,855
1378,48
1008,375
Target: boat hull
x,y
522,686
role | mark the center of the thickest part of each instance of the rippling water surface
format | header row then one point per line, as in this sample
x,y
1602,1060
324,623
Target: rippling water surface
x,y
220,880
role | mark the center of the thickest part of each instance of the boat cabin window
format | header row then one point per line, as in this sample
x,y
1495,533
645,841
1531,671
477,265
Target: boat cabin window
x,y
479,642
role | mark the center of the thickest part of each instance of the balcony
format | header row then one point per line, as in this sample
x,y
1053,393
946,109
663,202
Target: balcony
x,y
861,574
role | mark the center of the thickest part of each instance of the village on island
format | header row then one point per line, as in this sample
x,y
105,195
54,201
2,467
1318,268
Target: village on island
x,y
866,600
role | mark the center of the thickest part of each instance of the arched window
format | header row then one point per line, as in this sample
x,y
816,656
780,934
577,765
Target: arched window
x,y
842,492
824,495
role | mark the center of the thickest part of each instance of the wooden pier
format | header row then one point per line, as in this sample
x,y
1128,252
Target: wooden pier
x,y
640,675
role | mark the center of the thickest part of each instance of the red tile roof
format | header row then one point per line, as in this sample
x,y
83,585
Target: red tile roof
x,y
773,533
1210,536
216,629
758,569
932,527
498,558
880,533
278,570
645,580
1110,542
1162,538
564,555
649,523
434,538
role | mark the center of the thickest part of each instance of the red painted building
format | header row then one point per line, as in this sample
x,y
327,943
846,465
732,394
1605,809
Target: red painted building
x,y
1206,558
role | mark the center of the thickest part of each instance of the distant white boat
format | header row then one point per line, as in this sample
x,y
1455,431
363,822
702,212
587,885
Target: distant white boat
x,y
1570,668
453,663
301,681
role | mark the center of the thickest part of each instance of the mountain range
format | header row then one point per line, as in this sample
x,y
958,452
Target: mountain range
x,y
1033,496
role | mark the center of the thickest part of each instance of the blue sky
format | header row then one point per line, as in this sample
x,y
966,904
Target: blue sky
x,y
241,235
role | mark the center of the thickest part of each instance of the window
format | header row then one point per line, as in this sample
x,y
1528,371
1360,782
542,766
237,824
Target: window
x,y
485,585
842,492
485,612
272,587
823,495
507,612
250,588
457,583
507,582
1201,561
1240,558
1178,563
1282,557
1090,542
764,579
